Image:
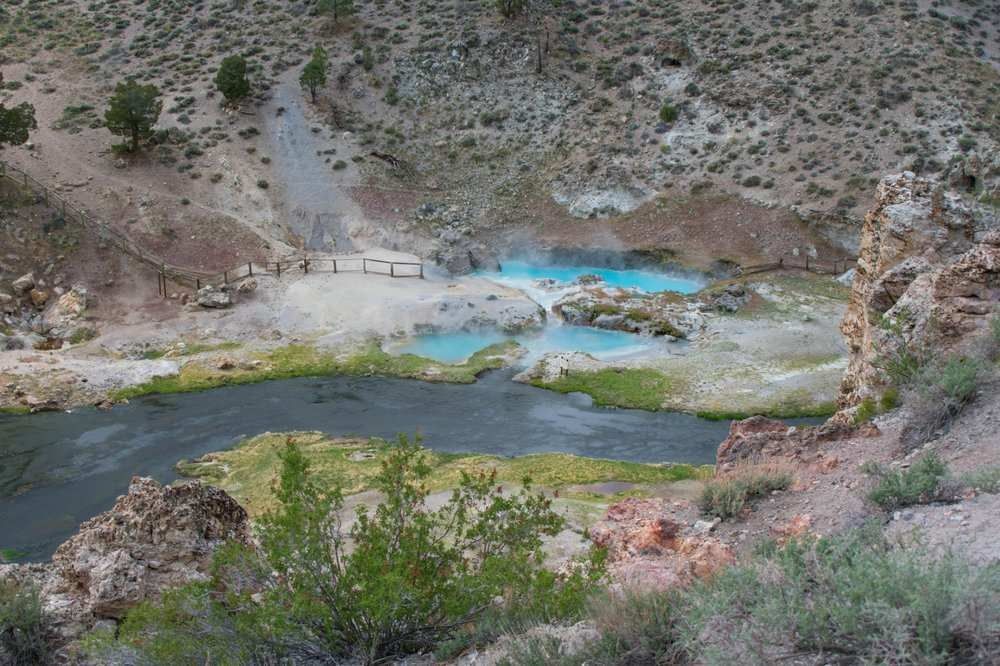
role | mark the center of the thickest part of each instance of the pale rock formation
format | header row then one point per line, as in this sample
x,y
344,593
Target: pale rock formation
x,y
930,265
155,537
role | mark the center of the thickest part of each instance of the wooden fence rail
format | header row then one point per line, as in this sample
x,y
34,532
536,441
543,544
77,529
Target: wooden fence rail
x,y
186,277
803,262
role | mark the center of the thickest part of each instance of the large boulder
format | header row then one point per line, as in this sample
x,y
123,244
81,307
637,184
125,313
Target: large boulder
x,y
211,296
155,537
24,284
64,315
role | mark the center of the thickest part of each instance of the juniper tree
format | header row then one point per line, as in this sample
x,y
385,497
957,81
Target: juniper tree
x,y
133,111
314,73
15,123
336,9
231,79
511,8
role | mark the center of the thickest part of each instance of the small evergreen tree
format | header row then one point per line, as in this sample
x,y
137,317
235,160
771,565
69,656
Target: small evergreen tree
x,y
314,73
15,123
511,8
133,111
231,79
336,9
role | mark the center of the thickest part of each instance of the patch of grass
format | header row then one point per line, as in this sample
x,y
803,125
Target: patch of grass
x,y
921,483
986,480
11,554
634,388
790,408
82,334
15,410
728,496
246,471
303,360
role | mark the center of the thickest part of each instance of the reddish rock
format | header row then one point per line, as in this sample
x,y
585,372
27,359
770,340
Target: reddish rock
x,y
796,527
760,439
650,545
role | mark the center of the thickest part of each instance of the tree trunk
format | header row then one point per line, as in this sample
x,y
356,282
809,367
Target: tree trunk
x,y
312,91
135,139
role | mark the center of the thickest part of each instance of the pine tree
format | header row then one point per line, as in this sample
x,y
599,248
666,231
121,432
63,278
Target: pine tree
x,y
231,79
133,111
337,9
314,73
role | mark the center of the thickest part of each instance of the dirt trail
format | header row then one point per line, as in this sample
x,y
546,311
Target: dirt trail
x,y
316,203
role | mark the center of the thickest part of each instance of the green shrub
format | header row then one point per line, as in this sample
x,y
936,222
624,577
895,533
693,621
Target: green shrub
x,y
921,483
866,411
986,480
22,625
668,112
853,598
728,496
400,579
941,393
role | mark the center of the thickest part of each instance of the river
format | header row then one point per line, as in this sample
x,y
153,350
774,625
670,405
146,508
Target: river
x,y
59,469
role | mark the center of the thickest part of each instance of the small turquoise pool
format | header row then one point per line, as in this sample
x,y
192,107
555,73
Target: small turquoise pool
x,y
515,271
555,337
456,347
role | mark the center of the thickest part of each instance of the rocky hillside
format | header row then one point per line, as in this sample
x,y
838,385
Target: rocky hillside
x,y
627,110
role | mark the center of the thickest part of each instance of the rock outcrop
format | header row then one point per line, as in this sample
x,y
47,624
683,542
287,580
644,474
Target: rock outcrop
x,y
650,544
664,314
155,537
64,316
928,276
760,439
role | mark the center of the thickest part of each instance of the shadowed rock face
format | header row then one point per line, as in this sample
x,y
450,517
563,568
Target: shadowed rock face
x,y
931,263
154,538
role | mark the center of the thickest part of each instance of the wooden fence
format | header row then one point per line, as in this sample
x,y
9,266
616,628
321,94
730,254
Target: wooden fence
x,y
167,273
803,262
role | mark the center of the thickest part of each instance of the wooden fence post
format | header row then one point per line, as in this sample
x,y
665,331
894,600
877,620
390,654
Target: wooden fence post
x,y
392,270
807,261
305,263
277,265
335,266
364,265
225,277
421,271
250,267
